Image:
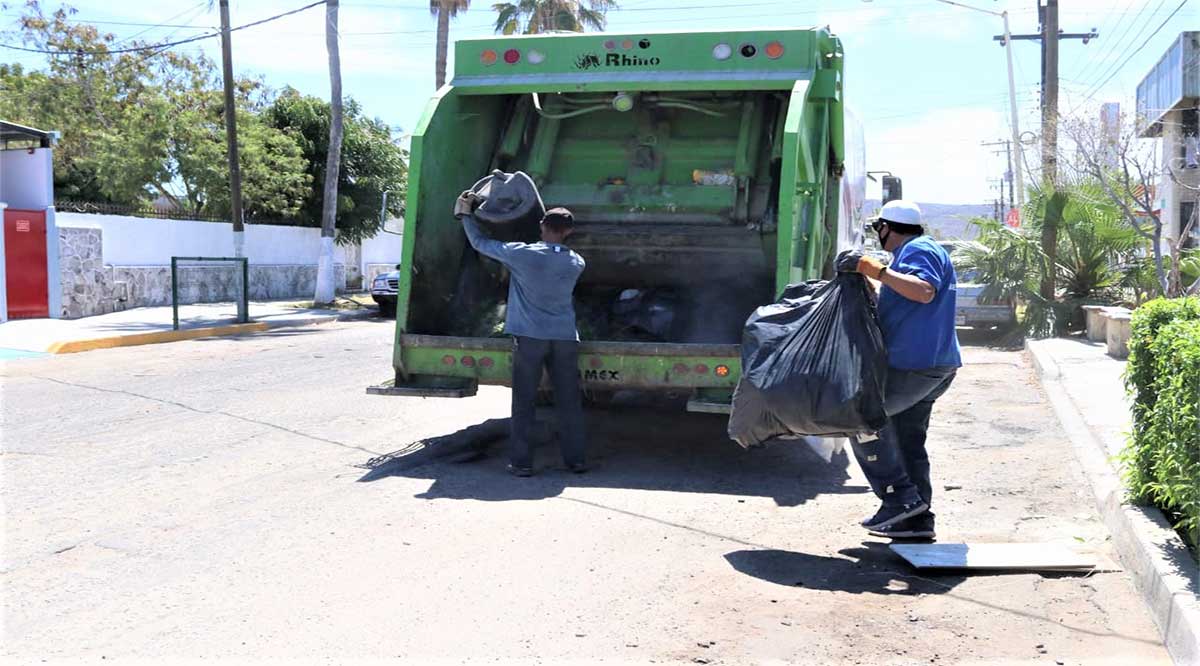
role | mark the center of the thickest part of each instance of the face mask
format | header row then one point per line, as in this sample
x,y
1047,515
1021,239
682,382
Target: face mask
x,y
883,236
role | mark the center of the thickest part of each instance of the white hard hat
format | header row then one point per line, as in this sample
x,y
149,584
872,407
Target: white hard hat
x,y
902,211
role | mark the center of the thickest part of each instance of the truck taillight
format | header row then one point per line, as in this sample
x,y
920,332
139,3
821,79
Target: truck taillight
x,y
512,56
447,360
535,57
722,51
486,362
722,371
468,361
774,50
488,57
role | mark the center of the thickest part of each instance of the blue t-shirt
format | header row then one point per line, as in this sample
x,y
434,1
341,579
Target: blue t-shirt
x,y
920,336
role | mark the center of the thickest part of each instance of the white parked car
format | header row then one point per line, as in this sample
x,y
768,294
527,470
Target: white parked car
x,y
967,309
384,288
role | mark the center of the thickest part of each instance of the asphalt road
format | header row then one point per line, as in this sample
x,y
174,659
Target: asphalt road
x,y
204,499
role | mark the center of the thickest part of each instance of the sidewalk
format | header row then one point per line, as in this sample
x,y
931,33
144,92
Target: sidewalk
x,y
23,337
1086,388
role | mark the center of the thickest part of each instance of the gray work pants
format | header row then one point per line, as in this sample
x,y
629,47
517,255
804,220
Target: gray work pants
x,y
561,360
897,465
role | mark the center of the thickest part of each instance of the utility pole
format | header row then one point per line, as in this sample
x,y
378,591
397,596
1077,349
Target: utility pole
x,y
235,172
1006,42
1049,35
1008,175
1050,142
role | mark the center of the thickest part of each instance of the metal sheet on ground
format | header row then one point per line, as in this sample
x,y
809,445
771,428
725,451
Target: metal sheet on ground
x,y
1001,557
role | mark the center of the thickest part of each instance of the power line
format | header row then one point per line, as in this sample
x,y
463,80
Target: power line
x,y
1121,48
164,46
1103,30
1138,49
194,10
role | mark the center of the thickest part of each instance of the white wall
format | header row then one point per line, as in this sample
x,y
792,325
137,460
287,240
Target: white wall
x,y
384,248
27,178
135,241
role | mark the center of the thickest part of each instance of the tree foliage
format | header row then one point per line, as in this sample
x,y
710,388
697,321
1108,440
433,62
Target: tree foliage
x,y
538,16
146,125
371,163
1095,252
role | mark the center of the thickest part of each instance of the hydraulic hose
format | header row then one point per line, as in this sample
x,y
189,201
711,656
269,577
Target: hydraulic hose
x,y
537,105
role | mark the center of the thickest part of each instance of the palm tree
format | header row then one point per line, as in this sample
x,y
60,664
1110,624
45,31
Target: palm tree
x,y
549,15
325,282
445,10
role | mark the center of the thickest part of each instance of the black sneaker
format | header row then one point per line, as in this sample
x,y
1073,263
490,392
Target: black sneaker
x,y
890,514
519,471
917,527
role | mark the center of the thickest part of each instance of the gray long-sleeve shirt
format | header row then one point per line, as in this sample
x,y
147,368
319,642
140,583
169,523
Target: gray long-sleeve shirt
x,y
540,303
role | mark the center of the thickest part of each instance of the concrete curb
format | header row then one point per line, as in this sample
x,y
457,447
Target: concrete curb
x,y
157,337
1162,568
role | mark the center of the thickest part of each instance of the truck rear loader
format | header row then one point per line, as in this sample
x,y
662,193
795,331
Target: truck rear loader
x,y
706,171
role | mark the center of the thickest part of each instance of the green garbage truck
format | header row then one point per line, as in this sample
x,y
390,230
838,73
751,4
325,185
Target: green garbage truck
x,y
706,171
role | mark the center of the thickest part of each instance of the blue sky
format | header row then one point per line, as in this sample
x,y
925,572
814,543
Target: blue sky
x,y
925,78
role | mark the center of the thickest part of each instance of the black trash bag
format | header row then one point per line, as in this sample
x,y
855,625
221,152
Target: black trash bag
x,y
813,363
649,314
509,198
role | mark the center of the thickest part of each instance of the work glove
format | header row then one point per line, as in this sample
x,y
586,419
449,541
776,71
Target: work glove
x,y
466,203
855,261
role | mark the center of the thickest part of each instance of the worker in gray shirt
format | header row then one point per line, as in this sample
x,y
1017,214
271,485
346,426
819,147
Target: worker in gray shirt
x,y
541,318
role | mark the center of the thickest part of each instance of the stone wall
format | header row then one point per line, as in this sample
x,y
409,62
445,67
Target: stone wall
x,y
91,288
87,284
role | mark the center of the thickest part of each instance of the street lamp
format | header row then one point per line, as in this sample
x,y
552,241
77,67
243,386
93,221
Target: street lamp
x,y
1012,95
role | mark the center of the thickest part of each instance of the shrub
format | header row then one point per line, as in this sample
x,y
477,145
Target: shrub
x,y
1161,463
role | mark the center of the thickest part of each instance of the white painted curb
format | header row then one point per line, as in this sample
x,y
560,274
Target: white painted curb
x,y
1162,568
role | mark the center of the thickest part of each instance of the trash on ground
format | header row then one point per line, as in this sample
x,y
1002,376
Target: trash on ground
x,y
1002,557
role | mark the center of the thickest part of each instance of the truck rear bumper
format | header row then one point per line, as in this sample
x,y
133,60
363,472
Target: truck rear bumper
x,y
602,365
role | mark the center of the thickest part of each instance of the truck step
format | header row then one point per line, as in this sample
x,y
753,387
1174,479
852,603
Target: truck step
x,y
390,388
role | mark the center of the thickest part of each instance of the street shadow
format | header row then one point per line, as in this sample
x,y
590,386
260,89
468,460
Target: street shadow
x,y
277,333
629,448
1004,338
870,569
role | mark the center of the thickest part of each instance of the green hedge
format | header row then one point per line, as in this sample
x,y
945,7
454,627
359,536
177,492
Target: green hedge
x,y
1162,460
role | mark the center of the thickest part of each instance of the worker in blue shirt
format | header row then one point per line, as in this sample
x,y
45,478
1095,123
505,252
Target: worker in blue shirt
x,y
540,315
917,294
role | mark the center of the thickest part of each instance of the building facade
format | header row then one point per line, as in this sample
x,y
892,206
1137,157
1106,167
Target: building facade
x,y
1167,101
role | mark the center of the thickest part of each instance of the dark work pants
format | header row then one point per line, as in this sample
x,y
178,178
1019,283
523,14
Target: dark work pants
x,y
897,465
561,359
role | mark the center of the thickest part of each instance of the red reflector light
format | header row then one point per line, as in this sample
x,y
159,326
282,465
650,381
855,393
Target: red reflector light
x,y
681,368
701,369
468,361
627,44
447,360
774,50
488,57
486,362
722,371
512,56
